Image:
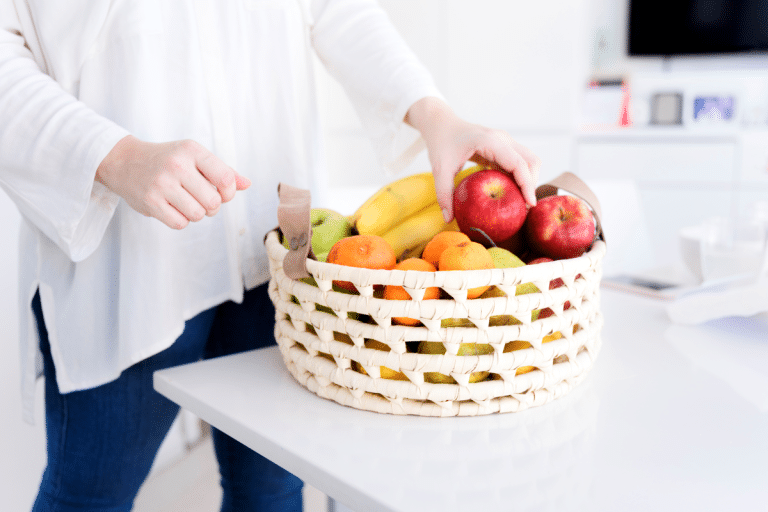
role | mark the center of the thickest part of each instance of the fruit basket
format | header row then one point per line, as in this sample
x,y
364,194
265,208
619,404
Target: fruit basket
x,y
345,347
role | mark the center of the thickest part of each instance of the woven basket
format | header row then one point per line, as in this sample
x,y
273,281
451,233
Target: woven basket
x,y
327,338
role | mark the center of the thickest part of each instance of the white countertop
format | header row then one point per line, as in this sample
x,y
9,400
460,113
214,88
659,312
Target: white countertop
x,y
670,418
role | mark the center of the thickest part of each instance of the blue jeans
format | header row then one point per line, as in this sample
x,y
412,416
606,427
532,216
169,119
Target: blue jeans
x,y
102,441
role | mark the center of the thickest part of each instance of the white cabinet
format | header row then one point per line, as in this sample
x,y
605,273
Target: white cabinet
x,y
682,177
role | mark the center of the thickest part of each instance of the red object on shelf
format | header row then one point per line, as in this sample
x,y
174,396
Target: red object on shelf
x,y
625,119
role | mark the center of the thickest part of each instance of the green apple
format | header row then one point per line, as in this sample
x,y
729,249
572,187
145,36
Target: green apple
x,y
328,227
465,349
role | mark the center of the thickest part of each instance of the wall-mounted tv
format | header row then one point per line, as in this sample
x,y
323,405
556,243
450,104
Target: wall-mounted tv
x,y
697,27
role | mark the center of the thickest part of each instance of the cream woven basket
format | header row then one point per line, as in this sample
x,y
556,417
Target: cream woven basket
x,y
328,338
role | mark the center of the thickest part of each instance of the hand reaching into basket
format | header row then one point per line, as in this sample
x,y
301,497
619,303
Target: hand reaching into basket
x,y
451,142
176,182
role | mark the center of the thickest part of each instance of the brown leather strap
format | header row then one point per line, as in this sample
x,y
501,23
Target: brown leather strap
x,y
294,221
573,184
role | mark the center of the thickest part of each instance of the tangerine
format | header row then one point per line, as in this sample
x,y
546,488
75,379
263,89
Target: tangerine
x,y
394,292
467,256
361,251
439,243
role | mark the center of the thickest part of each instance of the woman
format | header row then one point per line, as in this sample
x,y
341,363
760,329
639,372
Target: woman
x,y
142,142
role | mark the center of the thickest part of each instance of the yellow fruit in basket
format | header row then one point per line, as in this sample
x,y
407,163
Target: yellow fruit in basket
x,y
392,292
456,322
409,237
467,256
439,243
502,258
394,203
362,251
520,345
467,172
465,349
386,373
496,320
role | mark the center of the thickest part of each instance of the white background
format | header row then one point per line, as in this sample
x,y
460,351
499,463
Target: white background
x,y
521,66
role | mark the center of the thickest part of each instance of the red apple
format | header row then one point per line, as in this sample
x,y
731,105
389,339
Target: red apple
x,y
560,227
491,201
515,244
555,283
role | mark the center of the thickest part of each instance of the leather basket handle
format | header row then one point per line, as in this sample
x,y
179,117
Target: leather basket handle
x,y
294,222
573,184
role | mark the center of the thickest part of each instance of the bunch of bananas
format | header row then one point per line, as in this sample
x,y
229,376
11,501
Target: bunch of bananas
x,y
405,213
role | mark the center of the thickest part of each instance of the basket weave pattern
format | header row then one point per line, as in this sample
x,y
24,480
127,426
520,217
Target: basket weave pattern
x,y
322,334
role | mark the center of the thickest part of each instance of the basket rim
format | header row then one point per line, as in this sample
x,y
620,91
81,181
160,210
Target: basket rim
x,y
508,276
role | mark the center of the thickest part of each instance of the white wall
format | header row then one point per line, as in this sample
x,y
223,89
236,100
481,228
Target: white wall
x,y
512,65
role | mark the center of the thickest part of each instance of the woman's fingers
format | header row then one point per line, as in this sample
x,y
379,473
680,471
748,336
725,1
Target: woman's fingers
x,y
203,192
175,182
187,204
444,174
500,149
161,210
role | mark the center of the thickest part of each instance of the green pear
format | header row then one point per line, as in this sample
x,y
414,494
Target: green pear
x,y
456,322
496,320
503,258
328,227
465,349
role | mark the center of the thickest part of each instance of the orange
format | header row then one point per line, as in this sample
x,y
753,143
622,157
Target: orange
x,y
362,251
392,292
439,243
467,256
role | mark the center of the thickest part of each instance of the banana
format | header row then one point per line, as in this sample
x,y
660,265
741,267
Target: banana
x,y
410,236
466,172
394,203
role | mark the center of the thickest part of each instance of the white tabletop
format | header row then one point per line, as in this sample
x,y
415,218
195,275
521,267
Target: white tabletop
x,y
670,418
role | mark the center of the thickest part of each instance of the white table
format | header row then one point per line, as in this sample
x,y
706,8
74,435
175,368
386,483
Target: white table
x,y
670,418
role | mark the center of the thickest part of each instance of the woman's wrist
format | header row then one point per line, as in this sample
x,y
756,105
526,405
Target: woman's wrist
x,y
428,113
119,153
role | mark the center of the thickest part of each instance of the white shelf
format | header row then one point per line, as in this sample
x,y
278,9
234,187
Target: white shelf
x,y
667,134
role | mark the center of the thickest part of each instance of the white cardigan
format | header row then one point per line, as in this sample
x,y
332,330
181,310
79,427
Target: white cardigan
x,y
233,75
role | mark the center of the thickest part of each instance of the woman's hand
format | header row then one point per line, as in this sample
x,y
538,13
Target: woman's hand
x,y
175,182
451,142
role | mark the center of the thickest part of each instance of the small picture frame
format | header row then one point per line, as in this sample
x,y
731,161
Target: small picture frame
x,y
667,108
713,109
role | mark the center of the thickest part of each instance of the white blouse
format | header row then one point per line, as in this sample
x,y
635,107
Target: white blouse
x,y
233,75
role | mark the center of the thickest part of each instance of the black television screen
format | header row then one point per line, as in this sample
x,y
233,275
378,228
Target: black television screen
x,y
697,27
